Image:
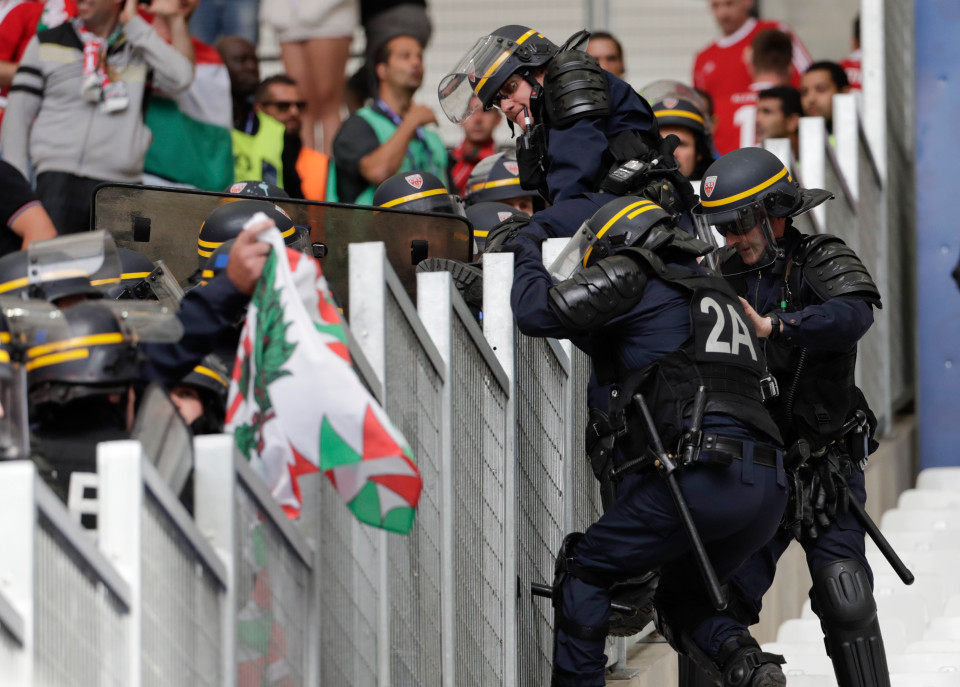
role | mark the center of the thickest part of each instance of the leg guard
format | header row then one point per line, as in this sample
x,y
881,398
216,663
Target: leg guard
x,y
567,566
842,597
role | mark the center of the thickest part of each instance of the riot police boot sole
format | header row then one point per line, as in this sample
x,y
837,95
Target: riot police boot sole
x,y
637,593
467,278
768,675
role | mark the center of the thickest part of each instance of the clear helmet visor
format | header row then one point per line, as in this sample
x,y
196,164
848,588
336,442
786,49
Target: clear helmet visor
x,y
747,230
91,254
458,89
574,255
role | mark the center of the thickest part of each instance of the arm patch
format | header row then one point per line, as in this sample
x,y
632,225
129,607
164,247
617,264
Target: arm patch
x,y
832,269
598,294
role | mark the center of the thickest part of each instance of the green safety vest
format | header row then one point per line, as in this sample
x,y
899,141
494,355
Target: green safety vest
x,y
259,157
431,157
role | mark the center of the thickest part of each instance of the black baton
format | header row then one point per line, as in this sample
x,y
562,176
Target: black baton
x,y
546,592
667,467
877,536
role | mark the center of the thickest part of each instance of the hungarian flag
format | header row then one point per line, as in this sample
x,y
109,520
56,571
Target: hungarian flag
x,y
296,405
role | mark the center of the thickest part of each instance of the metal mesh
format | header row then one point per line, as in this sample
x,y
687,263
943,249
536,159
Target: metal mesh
x,y
350,592
900,291
413,402
272,598
541,428
80,625
181,607
479,459
584,492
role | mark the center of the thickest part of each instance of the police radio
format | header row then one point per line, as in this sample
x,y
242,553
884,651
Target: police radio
x,y
623,179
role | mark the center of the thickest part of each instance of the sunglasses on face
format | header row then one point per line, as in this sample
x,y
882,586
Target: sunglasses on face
x,y
285,105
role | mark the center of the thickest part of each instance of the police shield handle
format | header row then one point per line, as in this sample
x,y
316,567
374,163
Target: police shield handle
x,y
667,467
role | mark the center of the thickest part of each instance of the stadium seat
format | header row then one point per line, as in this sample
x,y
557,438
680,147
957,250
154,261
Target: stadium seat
x,y
931,586
912,520
925,663
812,681
935,646
922,680
807,664
929,498
799,631
910,609
943,629
795,648
936,540
947,478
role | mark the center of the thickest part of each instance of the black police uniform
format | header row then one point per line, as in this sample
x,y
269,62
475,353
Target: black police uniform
x,y
662,333
825,333
822,294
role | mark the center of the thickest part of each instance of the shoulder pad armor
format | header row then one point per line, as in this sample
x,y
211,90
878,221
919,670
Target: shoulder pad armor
x,y
574,87
598,294
832,269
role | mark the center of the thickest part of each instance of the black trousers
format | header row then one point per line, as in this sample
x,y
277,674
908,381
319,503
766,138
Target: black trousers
x,y
67,198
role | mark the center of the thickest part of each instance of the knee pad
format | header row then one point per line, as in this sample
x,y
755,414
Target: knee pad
x,y
843,599
566,567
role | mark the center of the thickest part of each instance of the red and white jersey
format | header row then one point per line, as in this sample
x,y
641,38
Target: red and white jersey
x,y
744,105
722,69
851,65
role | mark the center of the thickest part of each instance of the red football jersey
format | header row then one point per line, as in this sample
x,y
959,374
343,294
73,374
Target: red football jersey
x,y
851,65
722,69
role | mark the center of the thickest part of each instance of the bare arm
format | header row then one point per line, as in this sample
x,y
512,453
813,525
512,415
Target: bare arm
x,y
383,162
7,70
171,24
32,224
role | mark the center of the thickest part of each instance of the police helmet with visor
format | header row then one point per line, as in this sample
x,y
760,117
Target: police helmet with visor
x,y
417,191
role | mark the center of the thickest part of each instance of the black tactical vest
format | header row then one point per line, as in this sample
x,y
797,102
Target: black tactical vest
x,y
722,354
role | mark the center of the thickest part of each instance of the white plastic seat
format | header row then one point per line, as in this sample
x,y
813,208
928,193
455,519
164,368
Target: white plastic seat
x,y
795,648
931,586
916,519
910,609
914,499
925,663
799,631
923,680
812,681
927,540
934,646
944,563
806,664
951,609
894,634
943,629
945,478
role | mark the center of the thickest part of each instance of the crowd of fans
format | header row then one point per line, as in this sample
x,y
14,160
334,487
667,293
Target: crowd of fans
x,y
170,93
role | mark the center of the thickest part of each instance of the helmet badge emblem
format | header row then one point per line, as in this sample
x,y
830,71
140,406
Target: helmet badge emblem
x,y
670,103
237,187
504,215
512,167
708,185
414,180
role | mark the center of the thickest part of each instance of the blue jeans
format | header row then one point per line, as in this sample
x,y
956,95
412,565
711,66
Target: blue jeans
x,y
214,19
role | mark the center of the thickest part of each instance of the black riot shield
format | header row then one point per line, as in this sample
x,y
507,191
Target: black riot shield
x,y
163,224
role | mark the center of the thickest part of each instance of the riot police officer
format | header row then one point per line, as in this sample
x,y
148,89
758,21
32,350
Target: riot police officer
x,y
659,329
417,191
579,122
497,179
680,112
810,300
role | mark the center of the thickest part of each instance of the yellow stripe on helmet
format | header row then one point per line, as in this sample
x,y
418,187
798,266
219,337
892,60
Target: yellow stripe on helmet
x,y
613,220
207,372
415,196
76,342
209,244
500,60
484,185
679,113
749,192
55,358
111,280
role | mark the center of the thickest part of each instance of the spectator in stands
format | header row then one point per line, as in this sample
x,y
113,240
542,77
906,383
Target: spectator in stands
x,y
22,217
778,116
75,112
390,135
20,22
383,20
477,145
191,131
608,51
770,57
215,19
851,63
315,40
722,68
258,139
279,97
821,82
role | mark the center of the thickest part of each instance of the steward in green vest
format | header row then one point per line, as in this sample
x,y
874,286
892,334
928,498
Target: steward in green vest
x,y
389,135
259,156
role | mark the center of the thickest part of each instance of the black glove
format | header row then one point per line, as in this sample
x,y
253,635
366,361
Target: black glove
x,y
825,493
503,232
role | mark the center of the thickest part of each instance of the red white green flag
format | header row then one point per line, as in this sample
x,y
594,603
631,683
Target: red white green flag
x,y
297,406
